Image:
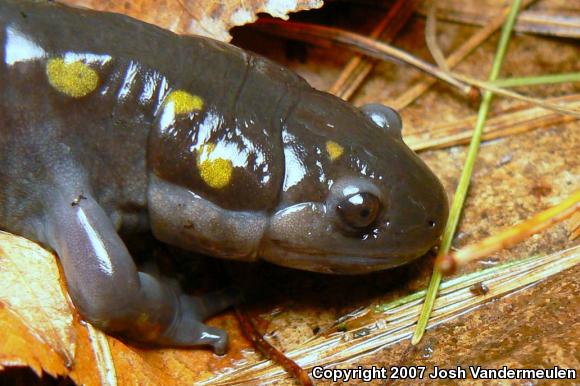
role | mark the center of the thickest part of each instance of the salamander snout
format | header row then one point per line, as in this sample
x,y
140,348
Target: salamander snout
x,y
391,223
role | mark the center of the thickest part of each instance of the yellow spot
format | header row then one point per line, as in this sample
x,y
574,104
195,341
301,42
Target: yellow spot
x,y
75,79
183,102
216,172
334,150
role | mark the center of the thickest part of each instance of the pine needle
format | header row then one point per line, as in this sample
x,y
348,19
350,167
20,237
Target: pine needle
x,y
383,325
507,122
464,84
463,185
447,264
431,37
454,58
538,80
359,66
566,25
323,36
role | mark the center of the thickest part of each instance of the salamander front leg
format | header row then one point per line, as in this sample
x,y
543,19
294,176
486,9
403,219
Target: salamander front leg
x,y
109,292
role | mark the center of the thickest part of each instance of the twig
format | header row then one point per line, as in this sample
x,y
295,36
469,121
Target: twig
x,y
489,87
359,66
538,80
269,351
566,26
431,37
461,192
317,34
431,40
448,263
509,122
380,50
454,59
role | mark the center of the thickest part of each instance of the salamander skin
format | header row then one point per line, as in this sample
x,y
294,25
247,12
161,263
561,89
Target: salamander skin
x,y
111,126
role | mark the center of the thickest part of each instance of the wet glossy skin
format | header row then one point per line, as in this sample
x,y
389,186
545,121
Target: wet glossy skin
x,y
109,125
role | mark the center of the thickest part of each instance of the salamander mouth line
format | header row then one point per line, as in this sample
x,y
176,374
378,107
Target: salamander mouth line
x,y
309,252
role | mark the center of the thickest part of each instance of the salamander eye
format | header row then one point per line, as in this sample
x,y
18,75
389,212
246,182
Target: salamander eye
x,y
359,210
385,117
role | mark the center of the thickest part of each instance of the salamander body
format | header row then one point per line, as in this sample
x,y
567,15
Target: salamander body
x,y
112,126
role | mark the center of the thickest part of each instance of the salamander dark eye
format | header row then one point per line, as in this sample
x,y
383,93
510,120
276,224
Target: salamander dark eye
x,y
359,210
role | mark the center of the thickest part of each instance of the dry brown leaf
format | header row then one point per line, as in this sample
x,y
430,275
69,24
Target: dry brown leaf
x,y
29,286
40,330
20,347
199,17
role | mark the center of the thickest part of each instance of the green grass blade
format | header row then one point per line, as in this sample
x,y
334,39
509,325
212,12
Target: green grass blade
x,y
537,80
463,185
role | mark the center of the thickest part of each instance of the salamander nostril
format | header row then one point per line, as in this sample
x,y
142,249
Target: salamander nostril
x,y
431,223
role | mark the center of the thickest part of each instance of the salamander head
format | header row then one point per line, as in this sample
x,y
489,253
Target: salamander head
x,y
341,193
355,198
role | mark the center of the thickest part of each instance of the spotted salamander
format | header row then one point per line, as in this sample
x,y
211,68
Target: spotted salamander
x,y
112,126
